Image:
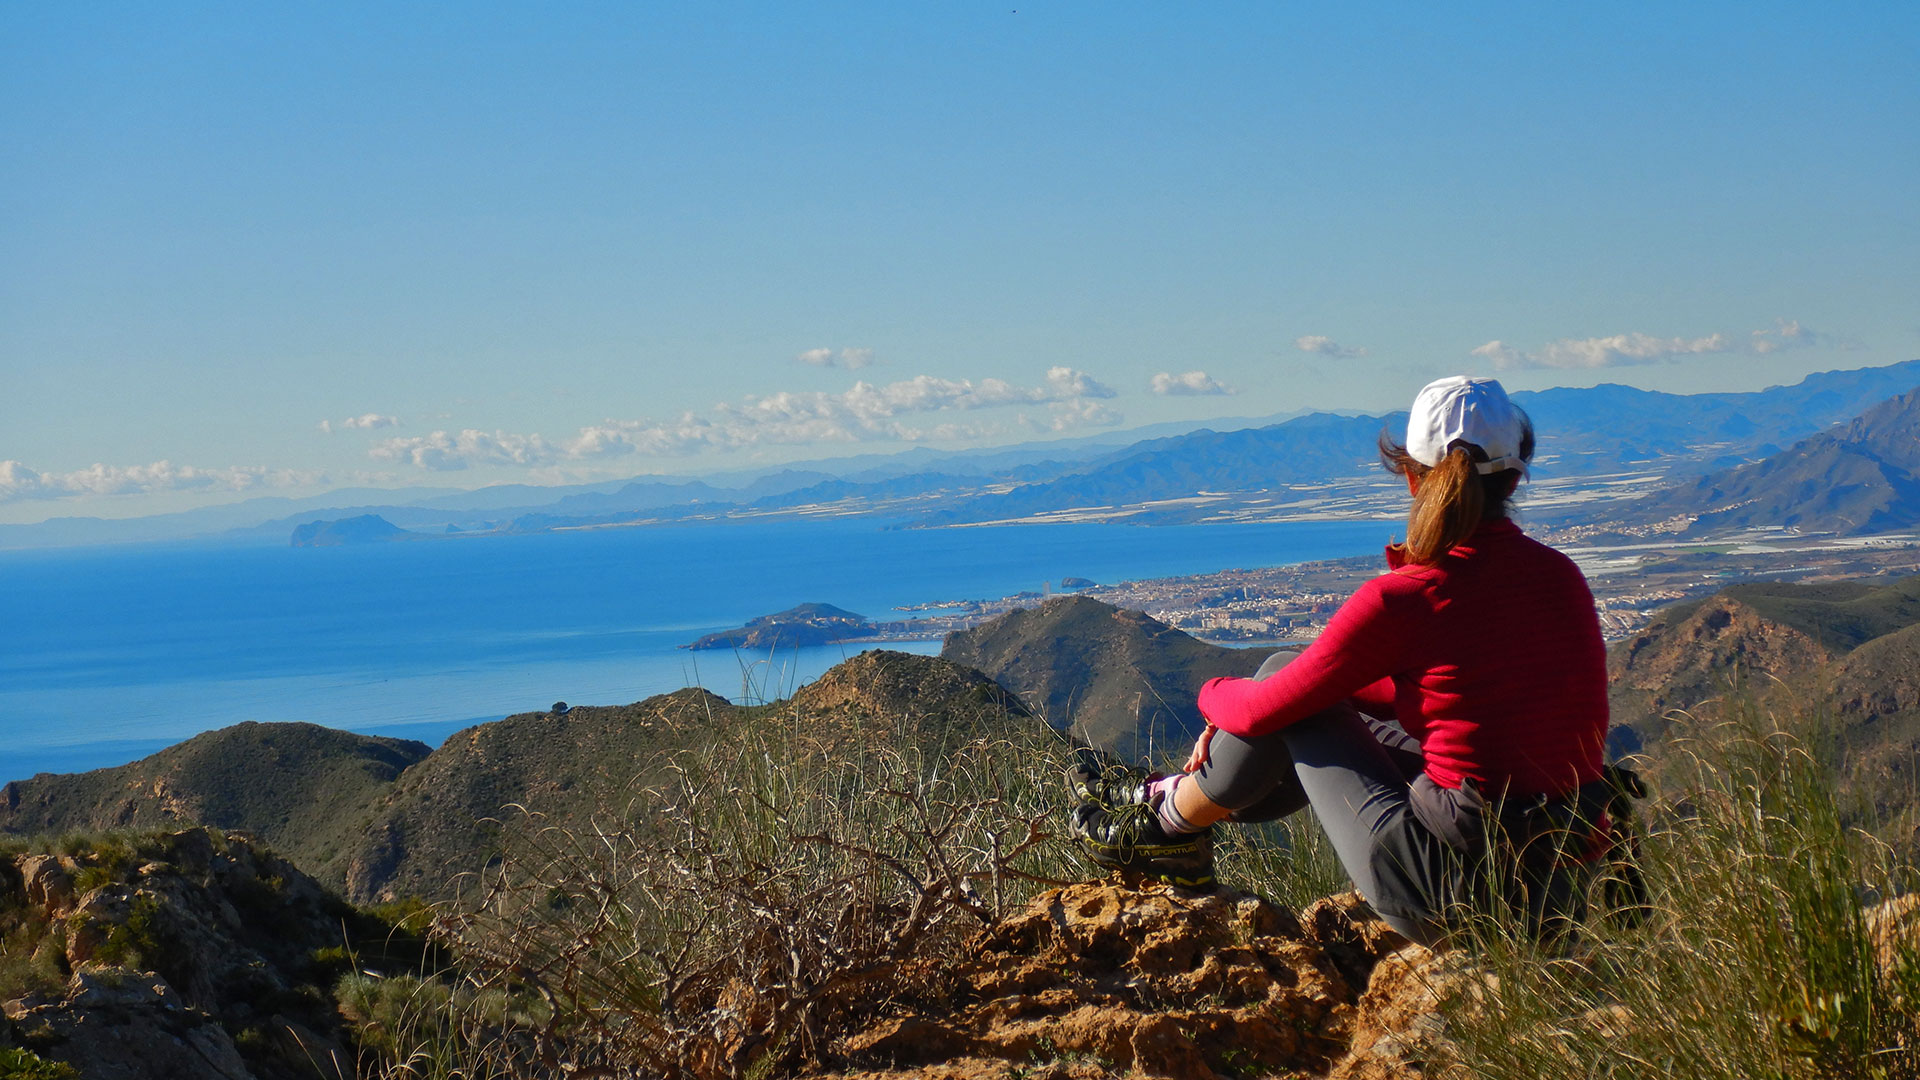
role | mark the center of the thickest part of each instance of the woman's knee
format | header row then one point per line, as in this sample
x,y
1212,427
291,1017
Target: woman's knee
x,y
1241,771
1275,662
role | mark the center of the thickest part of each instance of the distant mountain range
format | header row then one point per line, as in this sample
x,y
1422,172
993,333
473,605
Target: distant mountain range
x,y
1583,432
1859,479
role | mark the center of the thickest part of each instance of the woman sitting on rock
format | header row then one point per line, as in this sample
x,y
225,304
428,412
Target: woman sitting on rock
x,y
1454,708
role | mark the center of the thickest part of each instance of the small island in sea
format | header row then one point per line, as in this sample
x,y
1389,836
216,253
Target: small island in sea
x,y
807,624
365,529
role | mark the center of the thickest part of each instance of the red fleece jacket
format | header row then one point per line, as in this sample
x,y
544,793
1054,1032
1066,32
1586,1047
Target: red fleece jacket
x,y
1492,659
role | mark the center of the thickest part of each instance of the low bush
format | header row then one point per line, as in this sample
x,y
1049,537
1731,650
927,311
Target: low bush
x,y
728,919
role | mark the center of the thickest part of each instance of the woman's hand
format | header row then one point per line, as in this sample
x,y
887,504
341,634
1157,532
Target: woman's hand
x,y
1199,755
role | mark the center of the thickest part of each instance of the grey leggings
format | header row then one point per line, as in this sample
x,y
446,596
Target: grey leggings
x,y
1356,773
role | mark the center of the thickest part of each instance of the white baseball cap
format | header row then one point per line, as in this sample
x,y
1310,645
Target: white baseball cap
x,y
1459,408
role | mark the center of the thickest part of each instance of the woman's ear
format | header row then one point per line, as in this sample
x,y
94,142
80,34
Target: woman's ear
x,y
1413,483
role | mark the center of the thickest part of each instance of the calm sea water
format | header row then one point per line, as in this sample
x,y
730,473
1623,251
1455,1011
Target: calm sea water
x,y
107,654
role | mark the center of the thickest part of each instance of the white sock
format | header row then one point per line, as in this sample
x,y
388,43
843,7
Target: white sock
x,y
1170,820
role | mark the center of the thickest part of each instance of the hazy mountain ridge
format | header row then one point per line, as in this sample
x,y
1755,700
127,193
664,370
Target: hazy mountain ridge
x,y
1583,431
1611,426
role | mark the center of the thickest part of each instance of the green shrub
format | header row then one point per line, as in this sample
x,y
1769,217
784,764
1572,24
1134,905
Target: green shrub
x,y
32,961
136,942
769,888
18,1064
1759,959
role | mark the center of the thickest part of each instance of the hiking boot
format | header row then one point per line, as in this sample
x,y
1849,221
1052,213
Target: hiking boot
x,y
1101,779
1131,838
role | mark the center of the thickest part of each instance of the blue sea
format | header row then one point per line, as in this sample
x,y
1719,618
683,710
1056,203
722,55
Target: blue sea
x,y
107,654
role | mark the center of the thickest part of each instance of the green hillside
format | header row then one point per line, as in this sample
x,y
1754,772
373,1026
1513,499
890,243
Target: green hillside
x,y
1114,678
301,787
439,820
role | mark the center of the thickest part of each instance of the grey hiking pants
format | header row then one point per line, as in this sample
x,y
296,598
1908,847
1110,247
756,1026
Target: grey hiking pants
x,y
1413,849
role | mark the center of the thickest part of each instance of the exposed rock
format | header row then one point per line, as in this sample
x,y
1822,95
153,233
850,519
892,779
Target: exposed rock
x,y
1695,653
184,955
1893,927
1101,978
117,1024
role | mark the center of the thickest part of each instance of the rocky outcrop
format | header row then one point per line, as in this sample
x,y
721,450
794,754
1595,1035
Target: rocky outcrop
x,y
191,954
1101,978
1696,653
924,698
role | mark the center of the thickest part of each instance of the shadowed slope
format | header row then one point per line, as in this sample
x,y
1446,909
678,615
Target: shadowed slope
x,y
302,787
1118,679
438,821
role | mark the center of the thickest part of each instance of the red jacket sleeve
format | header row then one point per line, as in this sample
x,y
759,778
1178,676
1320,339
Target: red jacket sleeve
x,y
1364,643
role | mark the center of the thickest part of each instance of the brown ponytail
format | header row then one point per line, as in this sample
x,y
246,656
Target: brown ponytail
x,y
1454,497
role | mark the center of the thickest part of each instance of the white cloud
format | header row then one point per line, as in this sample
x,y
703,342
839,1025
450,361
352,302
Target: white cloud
x,y
1068,382
1326,346
19,483
1082,413
1625,350
363,422
1788,335
865,412
851,359
1188,384
442,451
1619,350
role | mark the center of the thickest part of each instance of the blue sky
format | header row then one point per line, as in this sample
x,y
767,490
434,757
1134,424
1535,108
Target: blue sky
x,y
273,248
